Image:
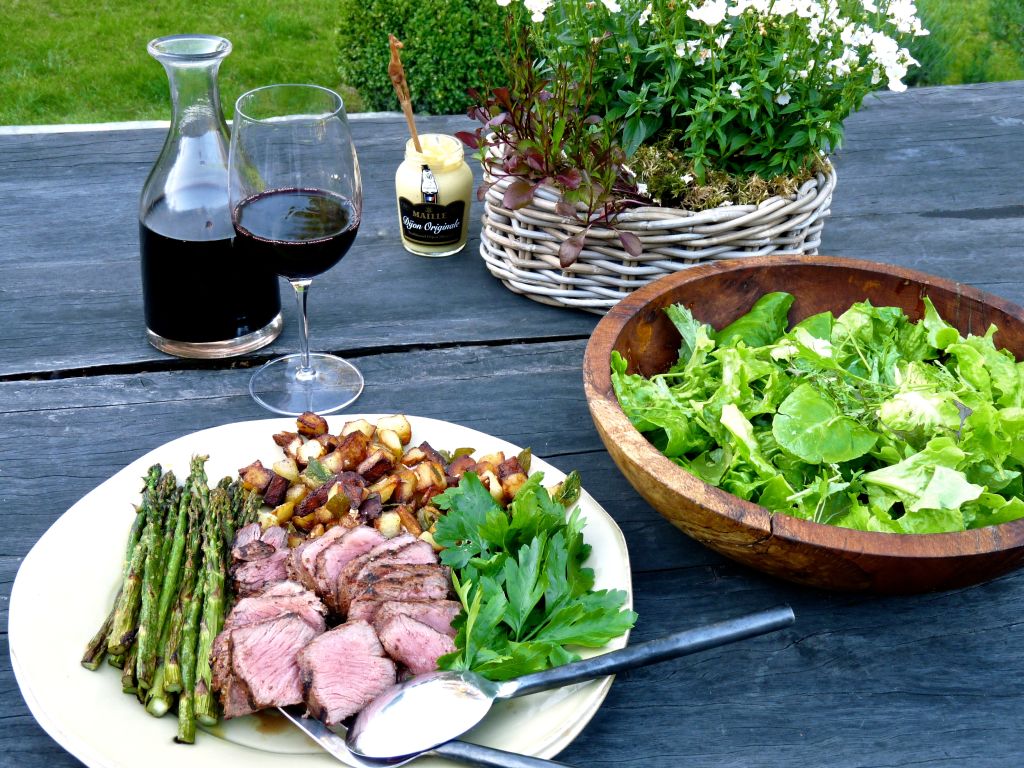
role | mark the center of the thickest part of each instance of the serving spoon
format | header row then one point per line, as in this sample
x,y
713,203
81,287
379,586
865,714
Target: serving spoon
x,y
430,709
460,751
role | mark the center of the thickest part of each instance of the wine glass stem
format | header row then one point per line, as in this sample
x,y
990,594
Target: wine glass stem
x,y
306,371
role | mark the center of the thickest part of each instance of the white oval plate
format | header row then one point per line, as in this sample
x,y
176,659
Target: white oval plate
x,y
66,583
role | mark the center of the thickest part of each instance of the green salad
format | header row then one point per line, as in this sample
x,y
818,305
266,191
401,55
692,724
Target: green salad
x,y
867,420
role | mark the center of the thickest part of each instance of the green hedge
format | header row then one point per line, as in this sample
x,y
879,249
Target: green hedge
x,y
450,45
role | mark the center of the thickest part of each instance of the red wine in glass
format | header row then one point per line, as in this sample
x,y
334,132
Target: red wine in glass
x,y
297,233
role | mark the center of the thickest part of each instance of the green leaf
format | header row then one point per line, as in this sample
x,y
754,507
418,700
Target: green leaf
x,y
763,324
811,427
928,479
940,333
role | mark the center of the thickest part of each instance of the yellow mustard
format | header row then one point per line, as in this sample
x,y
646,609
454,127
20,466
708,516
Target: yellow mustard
x,y
433,189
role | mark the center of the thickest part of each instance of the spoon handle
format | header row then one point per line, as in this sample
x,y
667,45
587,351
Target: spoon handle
x,y
663,649
474,754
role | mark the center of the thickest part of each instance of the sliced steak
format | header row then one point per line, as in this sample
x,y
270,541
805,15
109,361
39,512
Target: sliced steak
x,y
245,539
303,557
263,657
333,558
436,614
275,536
343,670
235,699
403,581
276,601
253,576
401,549
414,644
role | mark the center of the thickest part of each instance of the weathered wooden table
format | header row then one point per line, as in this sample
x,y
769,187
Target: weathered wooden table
x,y
931,179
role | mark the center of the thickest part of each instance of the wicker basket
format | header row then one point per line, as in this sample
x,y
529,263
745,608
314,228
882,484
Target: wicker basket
x,y
521,247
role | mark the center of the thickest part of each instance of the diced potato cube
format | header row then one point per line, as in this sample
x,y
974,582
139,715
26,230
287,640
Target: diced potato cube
x,y
492,458
255,476
493,485
311,424
371,509
384,487
376,465
310,450
406,486
333,462
324,515
389,525
306,522
397,424
428,537
389,439
294,540
460,465
512,477
283,512
275,491
338,501
353,450
266,519
359,425
414,456
409,521
296,493
429,475
318,531
287,468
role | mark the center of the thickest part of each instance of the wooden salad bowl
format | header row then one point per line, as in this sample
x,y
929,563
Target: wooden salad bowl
x,y
788,547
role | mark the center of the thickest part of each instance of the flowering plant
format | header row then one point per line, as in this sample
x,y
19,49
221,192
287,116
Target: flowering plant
x,y
693,88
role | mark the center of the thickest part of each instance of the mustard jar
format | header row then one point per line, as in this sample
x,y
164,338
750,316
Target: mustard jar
x,y
433,187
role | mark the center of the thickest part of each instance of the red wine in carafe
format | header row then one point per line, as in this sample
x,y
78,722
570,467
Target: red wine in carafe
x,y
196,286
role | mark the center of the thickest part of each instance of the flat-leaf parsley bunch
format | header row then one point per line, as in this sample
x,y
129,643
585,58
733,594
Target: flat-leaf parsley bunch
x,y
743,87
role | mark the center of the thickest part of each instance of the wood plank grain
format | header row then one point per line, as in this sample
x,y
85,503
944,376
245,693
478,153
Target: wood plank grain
x,y
70,291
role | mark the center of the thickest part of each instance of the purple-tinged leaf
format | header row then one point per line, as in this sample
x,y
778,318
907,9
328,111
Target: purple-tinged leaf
x,y
473,93
545,96
569,250
503,96
570,179
498,119
592,120
631,243
481,191
562,208
471,140
535,160
518,194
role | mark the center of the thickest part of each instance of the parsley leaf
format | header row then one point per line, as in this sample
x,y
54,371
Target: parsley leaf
x,y
520,576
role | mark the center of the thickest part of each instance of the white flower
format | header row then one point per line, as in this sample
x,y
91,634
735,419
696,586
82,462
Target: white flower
x,y
537,8
869,6
612,6
721,40
504,3
734,89
641,188
687,48
645,14
711,13
686,178
782,97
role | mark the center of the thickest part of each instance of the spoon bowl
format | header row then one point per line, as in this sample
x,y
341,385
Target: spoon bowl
x,y
433,708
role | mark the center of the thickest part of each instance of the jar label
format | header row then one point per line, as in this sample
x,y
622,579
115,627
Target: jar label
x,y
430,223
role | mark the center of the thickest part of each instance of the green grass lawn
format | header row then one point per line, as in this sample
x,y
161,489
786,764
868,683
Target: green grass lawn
x,y
77,61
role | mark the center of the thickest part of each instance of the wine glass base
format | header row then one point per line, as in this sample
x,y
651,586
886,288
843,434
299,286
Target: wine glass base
x,y
278,388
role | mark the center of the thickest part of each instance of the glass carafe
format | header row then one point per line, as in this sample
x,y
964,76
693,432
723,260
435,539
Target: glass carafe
x,y
200,299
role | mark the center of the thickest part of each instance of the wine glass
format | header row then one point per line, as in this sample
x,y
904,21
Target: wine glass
x,y
296,200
